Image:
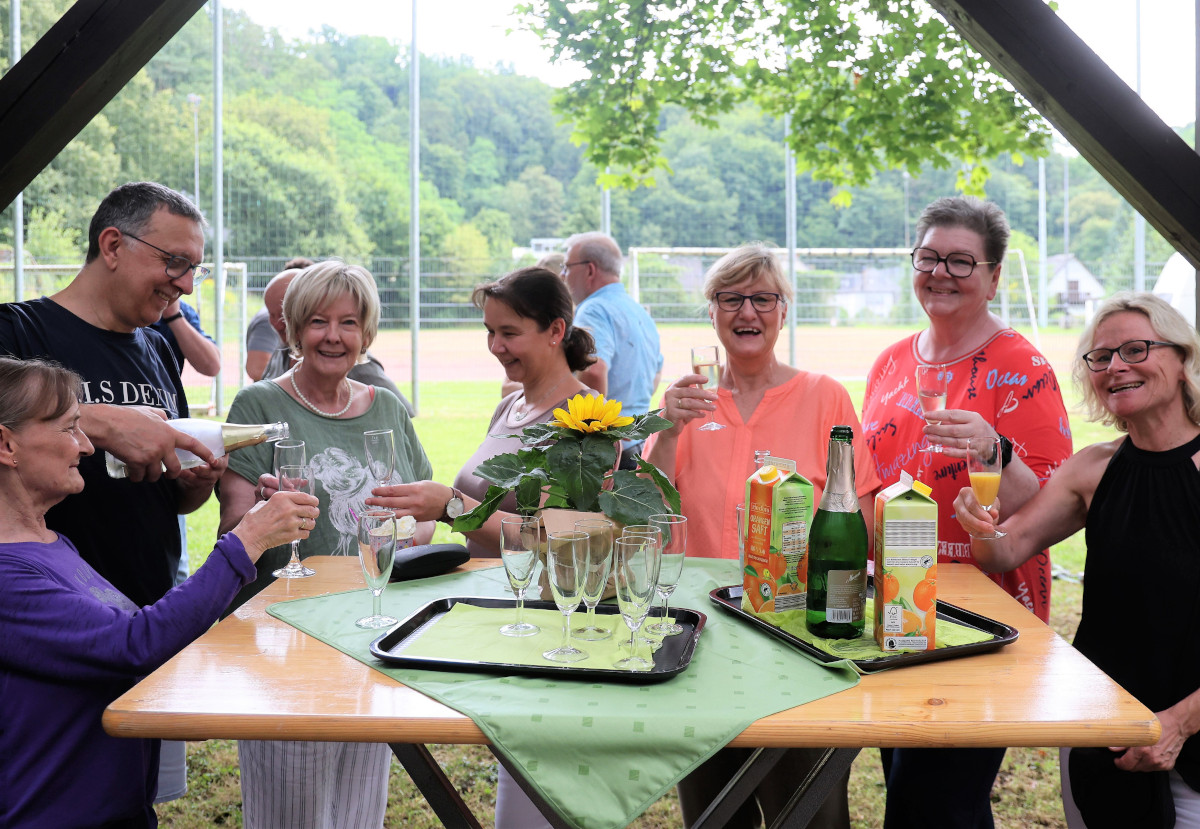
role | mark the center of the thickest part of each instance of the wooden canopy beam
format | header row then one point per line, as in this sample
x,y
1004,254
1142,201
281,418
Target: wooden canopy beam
x,y
1140,156
69,75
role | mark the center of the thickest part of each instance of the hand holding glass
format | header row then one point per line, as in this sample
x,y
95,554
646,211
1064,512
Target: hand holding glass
x,y
931,394
294,479
520,538
705,360
636,574
565,557
597,567
380,446
674,549
377,539
984,465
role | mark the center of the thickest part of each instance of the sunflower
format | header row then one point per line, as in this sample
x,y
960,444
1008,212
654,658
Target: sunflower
x,y
591,414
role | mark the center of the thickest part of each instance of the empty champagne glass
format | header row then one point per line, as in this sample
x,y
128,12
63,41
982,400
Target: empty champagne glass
x,y
377,540
705,360
674,548
565,556
636,571
294,479
380,445
519,541
597,566
931,394
984,464
288,453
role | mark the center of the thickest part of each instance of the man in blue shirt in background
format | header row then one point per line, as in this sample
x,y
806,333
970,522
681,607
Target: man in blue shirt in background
x,y
628,360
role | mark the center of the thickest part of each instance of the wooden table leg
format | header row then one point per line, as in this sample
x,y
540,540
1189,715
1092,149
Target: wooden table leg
x,y
436,787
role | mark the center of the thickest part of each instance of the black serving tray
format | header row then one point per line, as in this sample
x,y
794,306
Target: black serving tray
x,y
730,599
670,659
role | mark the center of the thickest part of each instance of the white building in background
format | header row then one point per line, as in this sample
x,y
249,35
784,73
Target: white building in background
x,y
1177,285
1071,285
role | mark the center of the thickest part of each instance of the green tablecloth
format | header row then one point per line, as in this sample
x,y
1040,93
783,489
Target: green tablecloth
x,y
599,753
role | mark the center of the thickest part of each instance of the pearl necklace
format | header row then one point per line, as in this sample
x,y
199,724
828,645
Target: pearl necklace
x,y
313,408
519,416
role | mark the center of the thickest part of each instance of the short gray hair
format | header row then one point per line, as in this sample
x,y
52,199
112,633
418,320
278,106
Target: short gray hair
x,y
598,248
982,217
35,390
129,208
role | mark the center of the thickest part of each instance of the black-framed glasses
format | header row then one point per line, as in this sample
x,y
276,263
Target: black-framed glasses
x,y
733,301
177,266
958,265
568,265
1134,351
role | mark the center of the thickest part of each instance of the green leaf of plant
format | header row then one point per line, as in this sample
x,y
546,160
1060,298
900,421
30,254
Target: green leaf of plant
x,y
632,500
502,470
579,468
475,519
669,492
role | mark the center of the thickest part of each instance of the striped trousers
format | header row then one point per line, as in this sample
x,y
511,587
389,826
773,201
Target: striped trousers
x,y
310,785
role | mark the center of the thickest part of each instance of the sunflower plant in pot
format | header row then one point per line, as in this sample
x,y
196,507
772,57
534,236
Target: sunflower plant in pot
x,y
570,463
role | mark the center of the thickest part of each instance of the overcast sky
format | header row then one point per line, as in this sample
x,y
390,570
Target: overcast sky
x,y
477,28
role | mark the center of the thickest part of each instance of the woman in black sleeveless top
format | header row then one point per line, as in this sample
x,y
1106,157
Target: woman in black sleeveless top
x,y
1138,499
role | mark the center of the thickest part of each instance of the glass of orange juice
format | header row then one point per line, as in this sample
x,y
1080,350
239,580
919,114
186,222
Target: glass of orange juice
x,y
984,463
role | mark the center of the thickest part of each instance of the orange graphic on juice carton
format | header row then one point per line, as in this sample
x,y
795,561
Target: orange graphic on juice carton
x,y
779,508
906,567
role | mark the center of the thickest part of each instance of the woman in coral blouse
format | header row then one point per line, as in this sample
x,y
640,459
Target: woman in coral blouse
x,y
763,404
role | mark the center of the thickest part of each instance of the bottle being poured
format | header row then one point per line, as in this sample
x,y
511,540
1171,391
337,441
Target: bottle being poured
x,y
221,438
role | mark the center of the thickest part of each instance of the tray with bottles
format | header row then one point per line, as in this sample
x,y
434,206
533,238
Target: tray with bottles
x,y
989,633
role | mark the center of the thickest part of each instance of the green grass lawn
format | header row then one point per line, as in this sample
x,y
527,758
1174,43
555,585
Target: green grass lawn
x,y
454,417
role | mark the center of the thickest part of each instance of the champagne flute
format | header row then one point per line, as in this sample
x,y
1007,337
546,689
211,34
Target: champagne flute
x,y
597,566
294,479
377,539
706,361
566,554
674,549
636,574
654,534
380,445
984,465
288,453
931,394
519,542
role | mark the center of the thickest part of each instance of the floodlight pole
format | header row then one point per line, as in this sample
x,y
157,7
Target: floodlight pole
x,y
790,231
194,100
218,191
414,208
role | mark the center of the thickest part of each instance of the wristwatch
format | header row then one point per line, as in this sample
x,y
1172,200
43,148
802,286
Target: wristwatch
x,y
1006,448
453,508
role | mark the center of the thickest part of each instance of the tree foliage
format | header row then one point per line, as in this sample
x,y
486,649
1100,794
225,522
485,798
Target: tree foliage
x,y
870,85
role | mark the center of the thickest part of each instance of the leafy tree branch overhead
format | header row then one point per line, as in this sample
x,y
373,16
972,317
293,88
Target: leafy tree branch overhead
x,y
870,84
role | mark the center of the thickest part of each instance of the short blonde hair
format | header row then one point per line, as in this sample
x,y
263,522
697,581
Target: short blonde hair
x,y
743,264
1169,326
326,282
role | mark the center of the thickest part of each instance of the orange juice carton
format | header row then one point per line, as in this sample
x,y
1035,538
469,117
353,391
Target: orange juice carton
x,y
905,566
779,510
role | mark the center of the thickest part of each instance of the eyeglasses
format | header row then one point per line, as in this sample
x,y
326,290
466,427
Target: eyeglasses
x,y
733,301
958,265
1134,351
568,265
177,267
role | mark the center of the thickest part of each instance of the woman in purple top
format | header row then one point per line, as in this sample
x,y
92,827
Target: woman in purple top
x,y
71,643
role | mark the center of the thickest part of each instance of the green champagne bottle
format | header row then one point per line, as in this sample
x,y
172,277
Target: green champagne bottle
x,y
837,549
